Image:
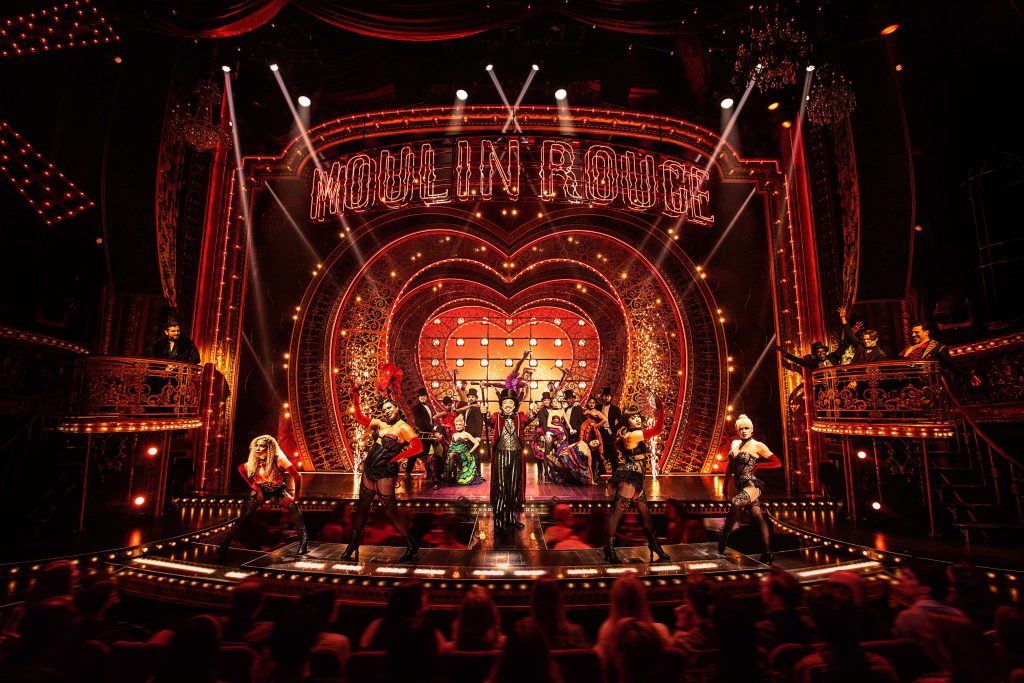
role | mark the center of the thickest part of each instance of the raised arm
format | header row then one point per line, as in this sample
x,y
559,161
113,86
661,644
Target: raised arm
x,y
659,421
357,411
458,387
526,353
415,446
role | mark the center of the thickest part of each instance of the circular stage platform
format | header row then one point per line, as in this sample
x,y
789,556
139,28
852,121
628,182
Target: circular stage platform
x,y
185,569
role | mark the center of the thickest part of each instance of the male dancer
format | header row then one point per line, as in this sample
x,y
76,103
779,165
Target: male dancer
x,y
423,417
613,420
573,416
508,476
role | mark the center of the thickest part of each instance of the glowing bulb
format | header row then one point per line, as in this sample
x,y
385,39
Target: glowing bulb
x,y
810,68
890,29
483,362
139,501
875,505
508,362
727,103
536,68
560,94
489,67
462,94
273,67
304,101
862,455
152,450
226,69
484,341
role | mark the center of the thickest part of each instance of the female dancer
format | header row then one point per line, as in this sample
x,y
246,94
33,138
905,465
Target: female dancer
x,y
590,434
570,462
746,456
628,480
395,440
264,473
460,455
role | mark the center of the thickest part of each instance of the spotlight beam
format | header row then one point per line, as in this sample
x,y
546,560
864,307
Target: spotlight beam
x,y
725,233
295,227
298,121
515,107
501,93
798,133
753,371
729,126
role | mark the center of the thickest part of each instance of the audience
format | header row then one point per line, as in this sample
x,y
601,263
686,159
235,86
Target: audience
x,y
682,528
191,653
922,587
628,599
694,626
525,657
1010,640
286,656
413,652
405,603
968,592
478,626
547,610
240,625
638,651
324,601
781,595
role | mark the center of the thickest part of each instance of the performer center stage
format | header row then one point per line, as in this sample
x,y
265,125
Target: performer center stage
x,y
186,568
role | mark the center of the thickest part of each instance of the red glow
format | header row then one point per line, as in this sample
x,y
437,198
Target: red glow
x,y
152,450
862,455
890,29
139,501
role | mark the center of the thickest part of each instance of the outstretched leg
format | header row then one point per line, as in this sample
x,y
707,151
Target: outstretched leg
x,y
250,509
739,501
366,494
652,540
619,506
762,521
386,490
296,514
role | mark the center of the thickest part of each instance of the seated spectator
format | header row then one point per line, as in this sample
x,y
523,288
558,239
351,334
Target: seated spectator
x,y
841,659
287,654
406,602
547,610
638,651
478,626
781,595
1010,639
865,348
324,601
694,627
525,657
92,600
40,654
926,348
969,593
240,626
736,640
53,582
682,528
413,654
561,527
923,586
874,621
191,653
628,599
173,345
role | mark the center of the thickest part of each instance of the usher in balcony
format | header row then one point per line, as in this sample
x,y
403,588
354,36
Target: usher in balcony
x,y
890,399
125,394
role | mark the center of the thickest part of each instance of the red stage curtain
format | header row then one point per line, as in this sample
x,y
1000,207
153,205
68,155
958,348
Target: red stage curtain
x,y
645,17
415,20
205,19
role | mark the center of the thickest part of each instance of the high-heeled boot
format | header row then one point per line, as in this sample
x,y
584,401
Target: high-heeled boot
x,y
609,552
654,548
303,543
352,549
722,540
412,551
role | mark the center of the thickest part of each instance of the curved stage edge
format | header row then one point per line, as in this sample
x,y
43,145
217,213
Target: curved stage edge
x,y
184,569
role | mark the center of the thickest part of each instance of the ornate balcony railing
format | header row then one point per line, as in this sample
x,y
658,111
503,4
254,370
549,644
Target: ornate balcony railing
x,y
122,394
892,398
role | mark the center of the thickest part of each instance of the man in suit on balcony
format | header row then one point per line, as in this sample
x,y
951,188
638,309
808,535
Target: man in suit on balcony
x,y
175,346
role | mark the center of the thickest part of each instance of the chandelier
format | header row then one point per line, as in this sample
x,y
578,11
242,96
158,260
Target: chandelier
x,y
773,51
195,127
832,98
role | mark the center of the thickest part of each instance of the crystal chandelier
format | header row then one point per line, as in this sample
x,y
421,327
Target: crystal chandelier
x,y
773,51
832,98
196,127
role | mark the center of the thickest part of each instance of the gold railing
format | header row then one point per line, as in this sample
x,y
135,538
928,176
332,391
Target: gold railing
x,y
891,398
123,394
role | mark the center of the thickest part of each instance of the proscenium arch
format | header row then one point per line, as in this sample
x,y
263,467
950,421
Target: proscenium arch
x,y
342,294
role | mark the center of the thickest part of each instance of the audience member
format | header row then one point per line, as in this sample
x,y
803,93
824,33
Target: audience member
x,y
324,601
628,599
240,625
547,610
781,595
92,600
561,527
841,659
638,651
413,653
191,654
478,626
694,627
923,586
285,658
406,602
1010,639
40,655
874,622
969,593
525,657
334,528
682,528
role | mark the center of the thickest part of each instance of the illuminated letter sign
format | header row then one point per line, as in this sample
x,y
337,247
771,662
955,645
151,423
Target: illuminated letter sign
x,y
469,169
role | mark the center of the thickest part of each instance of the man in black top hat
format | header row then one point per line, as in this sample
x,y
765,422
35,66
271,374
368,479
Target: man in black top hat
x,y
613,420
819,357
423,417
573,416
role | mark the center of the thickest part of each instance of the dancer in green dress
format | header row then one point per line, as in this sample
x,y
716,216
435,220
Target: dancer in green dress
x,y
461,458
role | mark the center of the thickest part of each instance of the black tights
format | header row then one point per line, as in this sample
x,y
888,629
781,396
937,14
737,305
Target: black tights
x,y
756,513
252,507
619,507
387,501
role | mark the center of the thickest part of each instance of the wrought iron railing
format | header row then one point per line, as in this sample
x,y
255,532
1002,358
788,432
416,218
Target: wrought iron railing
x,y
123,394
891,398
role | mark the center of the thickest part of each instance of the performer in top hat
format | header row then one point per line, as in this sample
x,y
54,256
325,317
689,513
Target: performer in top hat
x,y
423,419
573,416
508,476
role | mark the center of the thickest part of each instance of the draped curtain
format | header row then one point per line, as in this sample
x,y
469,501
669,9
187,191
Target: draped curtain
x,y
426,20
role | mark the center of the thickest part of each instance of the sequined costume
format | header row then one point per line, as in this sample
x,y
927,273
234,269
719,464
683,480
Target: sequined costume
x,y
463,463
508,475
380,462
632,465
568,462
743,464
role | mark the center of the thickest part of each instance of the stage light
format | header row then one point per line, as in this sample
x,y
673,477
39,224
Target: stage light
x,y
558,342
862,455
226,69
460,363
533,342
560,94
152,450
483,362
484,341
536,68
583,363
508,362
581,323
304,101
558,363
460,342
509,342
533,385
462,94
727,103
489,67
773,106
890,29
273,67
810,68
533,362
875,505
787,124
139,501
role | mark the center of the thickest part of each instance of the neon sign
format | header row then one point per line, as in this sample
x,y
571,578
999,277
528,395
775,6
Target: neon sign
x,y
511,169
